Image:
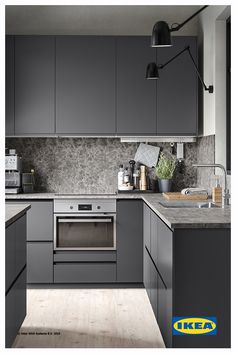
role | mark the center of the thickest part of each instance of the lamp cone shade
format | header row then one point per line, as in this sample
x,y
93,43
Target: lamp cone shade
x,y
152,72
161,36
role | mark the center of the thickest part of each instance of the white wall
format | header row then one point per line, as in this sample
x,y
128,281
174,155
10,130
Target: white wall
x,y
211,25
212,45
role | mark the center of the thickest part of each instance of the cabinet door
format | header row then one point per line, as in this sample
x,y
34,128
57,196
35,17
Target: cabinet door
x,y
10,324
164,311
146,226
34,84
153,287
147,272
136,96
129,241
162,248
85,85
20,299
9,85
177,90
39,262
10,255
20,241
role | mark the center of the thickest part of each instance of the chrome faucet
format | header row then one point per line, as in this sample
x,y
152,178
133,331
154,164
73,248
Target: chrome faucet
x,y
226,194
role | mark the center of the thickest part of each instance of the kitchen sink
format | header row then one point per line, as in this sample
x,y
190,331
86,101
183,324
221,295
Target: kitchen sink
x,y
188,204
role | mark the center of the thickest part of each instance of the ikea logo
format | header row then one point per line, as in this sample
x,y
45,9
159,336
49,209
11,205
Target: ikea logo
x,y
194,325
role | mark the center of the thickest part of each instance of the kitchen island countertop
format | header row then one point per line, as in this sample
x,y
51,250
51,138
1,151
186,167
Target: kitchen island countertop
x,y
14,211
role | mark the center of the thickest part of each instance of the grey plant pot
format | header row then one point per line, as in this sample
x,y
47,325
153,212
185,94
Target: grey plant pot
x,y
165,185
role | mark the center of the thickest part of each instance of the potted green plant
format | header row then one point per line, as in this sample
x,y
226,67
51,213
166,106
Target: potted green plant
x,y
164,170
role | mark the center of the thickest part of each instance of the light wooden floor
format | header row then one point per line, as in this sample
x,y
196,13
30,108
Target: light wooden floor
x,y
88,318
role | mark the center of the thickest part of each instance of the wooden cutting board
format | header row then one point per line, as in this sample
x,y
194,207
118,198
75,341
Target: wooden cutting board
x,y
179,196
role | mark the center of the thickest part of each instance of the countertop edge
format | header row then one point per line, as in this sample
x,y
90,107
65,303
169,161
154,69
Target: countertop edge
x,y
17,215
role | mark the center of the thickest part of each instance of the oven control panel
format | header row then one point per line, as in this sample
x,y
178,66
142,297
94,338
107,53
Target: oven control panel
x,y
85,206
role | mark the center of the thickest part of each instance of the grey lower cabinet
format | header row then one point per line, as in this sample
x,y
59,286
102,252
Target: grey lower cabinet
x,y
34,85
85,85
15,278
177,90
135,96
184,277
39,241
129,240
39,262
90,272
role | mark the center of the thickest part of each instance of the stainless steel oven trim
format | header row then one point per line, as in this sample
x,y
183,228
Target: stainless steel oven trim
x,y
76,215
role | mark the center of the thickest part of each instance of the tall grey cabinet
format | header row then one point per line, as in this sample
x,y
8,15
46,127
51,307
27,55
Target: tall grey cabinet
x,y
85,85
9,108
34,85
136,96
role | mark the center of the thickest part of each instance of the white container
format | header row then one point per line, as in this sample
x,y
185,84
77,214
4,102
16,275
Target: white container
x,y
120,177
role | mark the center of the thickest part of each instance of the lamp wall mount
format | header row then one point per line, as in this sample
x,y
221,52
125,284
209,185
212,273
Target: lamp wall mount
x,y
153,69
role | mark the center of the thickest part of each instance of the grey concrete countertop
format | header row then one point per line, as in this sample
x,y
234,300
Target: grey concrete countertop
x,y
14,211
189,217
173,217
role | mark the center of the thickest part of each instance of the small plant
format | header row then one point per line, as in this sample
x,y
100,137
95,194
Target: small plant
x,y
166,166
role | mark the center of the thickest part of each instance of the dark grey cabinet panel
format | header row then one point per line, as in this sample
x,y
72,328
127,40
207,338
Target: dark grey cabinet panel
x,y
85,256
129,241
164,311
40,221
34,84
20,248
147,272
20,299
10,324
153,287
9,85
202,282
15,309
146,226
84,272
162,248
39,262
136,96
10,255
177,90
85,85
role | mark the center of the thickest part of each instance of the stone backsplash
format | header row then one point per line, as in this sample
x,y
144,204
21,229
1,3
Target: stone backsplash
x,y
90,165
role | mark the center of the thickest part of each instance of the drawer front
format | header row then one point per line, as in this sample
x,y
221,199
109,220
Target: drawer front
x,y
146,226
161,248
10,325
39,262
10,255
20,244
85,256
84,273
20,299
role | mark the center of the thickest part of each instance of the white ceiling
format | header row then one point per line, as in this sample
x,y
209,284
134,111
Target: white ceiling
x,y
97,20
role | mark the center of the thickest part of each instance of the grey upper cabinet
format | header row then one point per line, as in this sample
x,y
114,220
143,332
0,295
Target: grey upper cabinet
x,y
85,85
136,96
9,86
177,90
34,84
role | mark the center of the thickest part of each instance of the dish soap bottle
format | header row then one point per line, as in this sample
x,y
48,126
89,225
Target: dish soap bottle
x,y
217,192
120,176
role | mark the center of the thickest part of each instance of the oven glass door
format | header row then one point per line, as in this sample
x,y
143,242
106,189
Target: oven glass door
x,y
84,232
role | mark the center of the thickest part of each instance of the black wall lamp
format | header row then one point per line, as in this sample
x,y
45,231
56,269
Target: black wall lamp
x,y
152,72
161,33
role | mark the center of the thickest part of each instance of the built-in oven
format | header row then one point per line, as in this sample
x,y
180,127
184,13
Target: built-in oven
x,y
84,224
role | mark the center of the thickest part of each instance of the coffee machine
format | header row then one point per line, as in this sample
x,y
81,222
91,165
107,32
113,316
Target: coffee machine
x,y
13,172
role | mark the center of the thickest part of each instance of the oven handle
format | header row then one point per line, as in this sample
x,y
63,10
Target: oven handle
x,y
84,220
